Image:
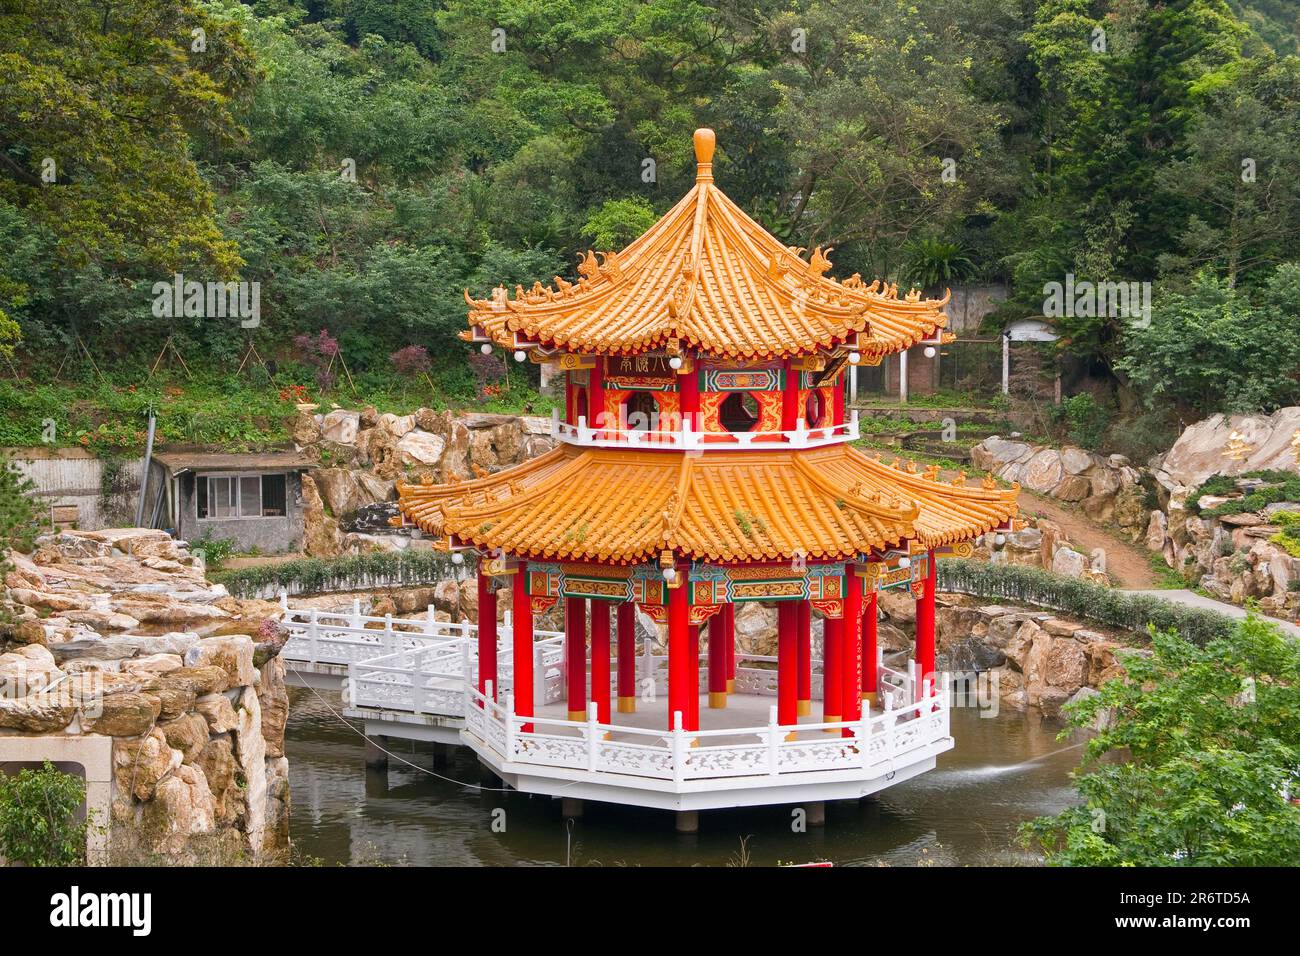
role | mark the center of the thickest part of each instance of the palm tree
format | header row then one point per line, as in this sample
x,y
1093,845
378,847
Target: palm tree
x,y
931,264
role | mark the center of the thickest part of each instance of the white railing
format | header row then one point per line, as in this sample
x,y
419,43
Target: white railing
x,y
878,744
686,437
427,679
337,637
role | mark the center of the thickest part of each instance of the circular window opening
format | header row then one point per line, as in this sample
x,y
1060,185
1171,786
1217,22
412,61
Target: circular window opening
x,y
639,411
739,412
814,408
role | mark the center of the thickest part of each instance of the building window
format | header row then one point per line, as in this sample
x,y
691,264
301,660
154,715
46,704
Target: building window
x,y
240,496
640,412
738,412
815,408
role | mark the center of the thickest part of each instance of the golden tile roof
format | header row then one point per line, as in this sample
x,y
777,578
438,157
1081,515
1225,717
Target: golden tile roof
x,y
707,276
622,506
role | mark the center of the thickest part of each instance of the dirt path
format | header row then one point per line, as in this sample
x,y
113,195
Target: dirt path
x,y
1128,564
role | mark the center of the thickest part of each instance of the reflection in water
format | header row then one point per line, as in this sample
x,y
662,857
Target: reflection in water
x,y
1004,770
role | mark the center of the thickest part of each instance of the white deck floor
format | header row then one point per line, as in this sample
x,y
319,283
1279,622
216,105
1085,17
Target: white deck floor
x,y
742,710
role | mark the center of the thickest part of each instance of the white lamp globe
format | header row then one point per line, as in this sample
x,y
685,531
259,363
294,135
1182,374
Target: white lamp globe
x,y
670,574
855,358
520,355
905,562
929,351
486,348
675,362
457,558
999,539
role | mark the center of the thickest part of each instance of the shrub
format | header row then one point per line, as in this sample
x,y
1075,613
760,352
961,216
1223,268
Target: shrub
x,y
215,550
1085,421
1083,599
310,575
38,818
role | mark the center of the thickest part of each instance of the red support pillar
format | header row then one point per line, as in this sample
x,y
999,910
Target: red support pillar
x,y
522,641
805,658
787,668
679,647
840,385
729,631
575,656
596,395
832,669
718,660
870,677
626,620
688,387
925,629
487,635
600,659
790,398
693,679
851,675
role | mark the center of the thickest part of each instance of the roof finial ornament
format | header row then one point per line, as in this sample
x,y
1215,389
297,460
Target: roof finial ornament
x,y
705,140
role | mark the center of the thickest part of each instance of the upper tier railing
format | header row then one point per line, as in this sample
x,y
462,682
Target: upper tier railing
x,y
687,438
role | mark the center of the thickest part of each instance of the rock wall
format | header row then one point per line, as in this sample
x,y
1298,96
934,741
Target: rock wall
x,y
1230,556
116,633
363,454
1108,488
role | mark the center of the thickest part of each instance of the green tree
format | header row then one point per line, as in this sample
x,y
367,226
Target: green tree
x,y
1206,742
99,104
1214,348
38,818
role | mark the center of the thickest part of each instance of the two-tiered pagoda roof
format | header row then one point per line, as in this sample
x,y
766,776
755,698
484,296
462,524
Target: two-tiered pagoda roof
x,y
707,277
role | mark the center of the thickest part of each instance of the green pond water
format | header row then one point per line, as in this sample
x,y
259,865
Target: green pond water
x,y
1004,770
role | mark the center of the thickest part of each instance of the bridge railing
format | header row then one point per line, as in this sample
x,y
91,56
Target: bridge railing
x,y
877,743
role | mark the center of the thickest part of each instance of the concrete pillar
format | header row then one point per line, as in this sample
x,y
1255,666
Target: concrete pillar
x,y
570,808
375,757
687,821
815,811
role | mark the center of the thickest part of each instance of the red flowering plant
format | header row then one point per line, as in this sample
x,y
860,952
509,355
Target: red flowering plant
x,y
319,351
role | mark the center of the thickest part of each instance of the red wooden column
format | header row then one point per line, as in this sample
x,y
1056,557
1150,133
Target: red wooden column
x,y
840,386
693,679
925,629
787,667
600,658
832,670
804,623
596,394
679,640
851,675
487,635
870,678
790,398
688,387
575,656
626,618
522,641
729,631
718,660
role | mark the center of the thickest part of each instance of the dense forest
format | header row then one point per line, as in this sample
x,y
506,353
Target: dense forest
x,y
365,161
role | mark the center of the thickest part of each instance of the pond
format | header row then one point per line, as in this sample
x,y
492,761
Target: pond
x,y
1004,770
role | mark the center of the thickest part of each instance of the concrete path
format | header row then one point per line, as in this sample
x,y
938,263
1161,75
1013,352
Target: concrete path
x,y
1192,599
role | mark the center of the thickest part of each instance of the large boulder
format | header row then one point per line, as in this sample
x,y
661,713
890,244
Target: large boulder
x,y
321,537
421,451
341,426
1044,471
1199,451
